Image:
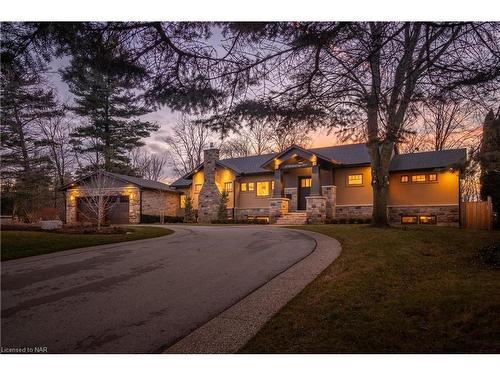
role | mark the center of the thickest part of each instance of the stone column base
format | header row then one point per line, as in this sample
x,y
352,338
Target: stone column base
x,y
316,209
277,208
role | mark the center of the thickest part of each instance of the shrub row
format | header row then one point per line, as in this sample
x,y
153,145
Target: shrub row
x,y
150,219
351,220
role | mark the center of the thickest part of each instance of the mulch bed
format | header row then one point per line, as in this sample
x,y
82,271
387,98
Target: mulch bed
x,y
67,229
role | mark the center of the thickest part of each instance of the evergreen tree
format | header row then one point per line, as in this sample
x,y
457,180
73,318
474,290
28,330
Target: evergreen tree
x,y
222,207
189,215
489,159
107,88
25,104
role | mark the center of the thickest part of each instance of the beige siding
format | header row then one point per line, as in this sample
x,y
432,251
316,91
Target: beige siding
x,y
249,199
353,195
442,192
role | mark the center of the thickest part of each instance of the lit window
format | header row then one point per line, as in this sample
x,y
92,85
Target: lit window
x,y
418,178
262,188
272,185
409,219
228,186
305,182
197,188
405,179
243,186
183,201
427,219
433,177
251,186
355,179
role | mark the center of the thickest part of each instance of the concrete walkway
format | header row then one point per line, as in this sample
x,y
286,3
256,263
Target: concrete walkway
x,y
233,328
144,296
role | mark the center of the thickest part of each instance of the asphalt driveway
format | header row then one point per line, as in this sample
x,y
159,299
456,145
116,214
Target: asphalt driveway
x,y
140,297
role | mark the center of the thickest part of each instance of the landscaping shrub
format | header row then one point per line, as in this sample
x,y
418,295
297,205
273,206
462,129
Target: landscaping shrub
x,y
240,221
490,254
342,220
149,219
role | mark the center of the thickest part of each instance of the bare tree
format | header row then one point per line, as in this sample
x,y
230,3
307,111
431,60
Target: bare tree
x,y
150,166
284,137
253,139
98,196
186,143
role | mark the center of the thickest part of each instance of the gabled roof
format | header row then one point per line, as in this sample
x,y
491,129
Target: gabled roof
x,y
140,182
344,155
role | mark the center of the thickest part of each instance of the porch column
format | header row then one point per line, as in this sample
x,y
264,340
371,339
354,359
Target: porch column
x,y
279,189
315,181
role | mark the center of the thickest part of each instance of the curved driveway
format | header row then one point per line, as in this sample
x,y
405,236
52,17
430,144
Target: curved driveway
x,y
140,297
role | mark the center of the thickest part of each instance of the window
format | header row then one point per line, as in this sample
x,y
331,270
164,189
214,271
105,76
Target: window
x,y
418,178
405,179
183,201
406,219
305,182
251,186
433,177
427,219
228,186
355,180
197,188
243,186
272,185
262,188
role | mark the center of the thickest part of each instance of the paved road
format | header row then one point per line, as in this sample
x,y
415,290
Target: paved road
x,y
139,297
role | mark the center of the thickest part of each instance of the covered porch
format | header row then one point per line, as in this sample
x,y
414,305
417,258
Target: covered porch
x,y
303,182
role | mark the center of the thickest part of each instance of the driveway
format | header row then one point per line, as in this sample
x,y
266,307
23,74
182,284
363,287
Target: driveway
x,y
140,297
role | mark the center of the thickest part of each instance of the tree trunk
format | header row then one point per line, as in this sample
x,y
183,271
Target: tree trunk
x,y
380,155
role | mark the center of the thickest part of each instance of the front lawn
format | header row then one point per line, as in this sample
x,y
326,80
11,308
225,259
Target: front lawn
x,y
420,290
20,244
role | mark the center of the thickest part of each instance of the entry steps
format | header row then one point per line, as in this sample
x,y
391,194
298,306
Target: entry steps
x,y
293,218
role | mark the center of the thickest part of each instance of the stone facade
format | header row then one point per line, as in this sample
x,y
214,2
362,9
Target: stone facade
x,y
330,193
316,209
160,202
364,211
132,192
245,213
445,214
209,197
277,208
292,192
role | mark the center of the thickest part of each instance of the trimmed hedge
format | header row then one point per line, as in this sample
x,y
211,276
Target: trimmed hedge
x,y
150,219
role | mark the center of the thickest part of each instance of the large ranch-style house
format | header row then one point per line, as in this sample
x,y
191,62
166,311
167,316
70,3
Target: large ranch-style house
x,y
295,186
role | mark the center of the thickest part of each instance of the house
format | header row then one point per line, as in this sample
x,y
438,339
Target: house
x,y
298,185
321,183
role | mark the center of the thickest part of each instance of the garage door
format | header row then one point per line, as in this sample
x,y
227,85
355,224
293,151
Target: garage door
x,y
117,214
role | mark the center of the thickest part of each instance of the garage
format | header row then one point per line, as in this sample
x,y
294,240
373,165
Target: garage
x,y
117,209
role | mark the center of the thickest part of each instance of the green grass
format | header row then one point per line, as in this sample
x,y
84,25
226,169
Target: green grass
x,y
420,290
20,244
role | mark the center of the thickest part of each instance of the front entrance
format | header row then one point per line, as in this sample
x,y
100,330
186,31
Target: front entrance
x,y
303,191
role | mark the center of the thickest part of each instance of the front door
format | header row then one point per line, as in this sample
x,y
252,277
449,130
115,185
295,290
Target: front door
x,y
304,191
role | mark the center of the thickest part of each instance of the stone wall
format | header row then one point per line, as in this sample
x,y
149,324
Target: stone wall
x,y
316,209
330,193
244,213
292,205
364,211
131,191
209,197
154,202
277,208
445,214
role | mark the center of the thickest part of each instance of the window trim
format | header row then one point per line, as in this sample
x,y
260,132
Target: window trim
x,y
419,182
355,185
407,179
230,186
251,186
243,187
432,174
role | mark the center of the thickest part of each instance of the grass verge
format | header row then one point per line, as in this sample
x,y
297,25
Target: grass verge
x,y
20,244
420,290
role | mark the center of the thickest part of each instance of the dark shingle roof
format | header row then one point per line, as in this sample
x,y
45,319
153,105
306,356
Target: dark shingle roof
x,y
181,183
356,154
428,160
141,182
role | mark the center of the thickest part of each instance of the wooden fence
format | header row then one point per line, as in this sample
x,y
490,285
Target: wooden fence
x,y
477,215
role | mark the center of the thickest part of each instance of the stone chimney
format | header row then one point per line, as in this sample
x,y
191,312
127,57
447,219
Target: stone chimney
x,y
209,197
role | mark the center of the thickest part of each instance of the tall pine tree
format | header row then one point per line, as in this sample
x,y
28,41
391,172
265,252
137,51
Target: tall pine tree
x,y
108,98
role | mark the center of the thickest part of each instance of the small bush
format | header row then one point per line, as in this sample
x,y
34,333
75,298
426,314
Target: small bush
x,y
150,219
490,254
240,221
342,220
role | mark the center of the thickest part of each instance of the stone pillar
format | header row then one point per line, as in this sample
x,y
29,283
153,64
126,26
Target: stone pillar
x,y
330,193
209,197
315,181
292,192
316,209
277,208
71,206
278,191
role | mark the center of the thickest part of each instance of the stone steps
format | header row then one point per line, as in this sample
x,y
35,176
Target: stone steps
x,y
293,218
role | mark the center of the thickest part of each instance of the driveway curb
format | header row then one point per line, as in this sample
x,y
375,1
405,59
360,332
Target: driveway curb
x,y
234,327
